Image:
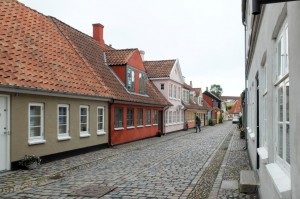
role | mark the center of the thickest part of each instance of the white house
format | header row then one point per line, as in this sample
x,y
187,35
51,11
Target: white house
x,y
273,111
167,77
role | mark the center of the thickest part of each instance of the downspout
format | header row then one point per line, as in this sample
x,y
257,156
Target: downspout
x,y
110,143
245,96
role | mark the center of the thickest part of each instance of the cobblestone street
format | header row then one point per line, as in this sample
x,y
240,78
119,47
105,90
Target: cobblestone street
x,y
161,167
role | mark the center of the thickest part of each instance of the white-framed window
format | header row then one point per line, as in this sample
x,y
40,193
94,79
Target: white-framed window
x,y
282,124
166,117
155,119
265,129
142,84
178,116
178,93
118,118
182,116
130,79
170,117
140,116
100,120
174,91
186,96
282,53
148,117
170,90
84,121
36,123
174,117
63,122
130,117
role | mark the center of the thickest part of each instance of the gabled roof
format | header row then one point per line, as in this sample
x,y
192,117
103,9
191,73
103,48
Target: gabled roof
x,y
236,108
229,98
93,55
198,91
193,105
211,95
118,57
158,69
34,55
186,86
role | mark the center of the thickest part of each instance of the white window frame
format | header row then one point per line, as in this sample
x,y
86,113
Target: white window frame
x,y
119,127
130,126
66,135
170,90
130,79
138,117
36,139
155,117
86,132
101,131
167,117
282,80
148,117
174,117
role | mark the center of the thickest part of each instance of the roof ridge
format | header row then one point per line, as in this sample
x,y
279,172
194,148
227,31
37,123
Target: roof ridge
x,y
121,49
160,60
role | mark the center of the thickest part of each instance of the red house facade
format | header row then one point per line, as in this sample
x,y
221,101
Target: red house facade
x,y
215,103
136,108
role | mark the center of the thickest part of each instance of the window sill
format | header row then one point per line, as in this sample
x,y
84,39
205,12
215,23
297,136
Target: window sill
x,y
84,135
119,129
155,124
130,127
252,136
141,126
101,132
281,181
62,138
148,125
33,142
263,154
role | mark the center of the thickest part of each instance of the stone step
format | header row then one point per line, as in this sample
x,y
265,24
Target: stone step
x,y
248,181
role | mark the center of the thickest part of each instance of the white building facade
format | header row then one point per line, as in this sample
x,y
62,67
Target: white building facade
x,y
272,76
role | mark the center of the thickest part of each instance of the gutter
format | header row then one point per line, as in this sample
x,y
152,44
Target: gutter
x,y
37,91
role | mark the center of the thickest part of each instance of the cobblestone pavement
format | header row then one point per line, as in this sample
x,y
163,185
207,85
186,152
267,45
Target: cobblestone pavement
x,y
159,167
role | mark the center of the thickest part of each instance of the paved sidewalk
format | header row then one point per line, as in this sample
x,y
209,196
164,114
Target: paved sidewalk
x,y
226,185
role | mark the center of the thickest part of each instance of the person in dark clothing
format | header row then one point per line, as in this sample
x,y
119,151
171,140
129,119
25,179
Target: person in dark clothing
x,y
198,124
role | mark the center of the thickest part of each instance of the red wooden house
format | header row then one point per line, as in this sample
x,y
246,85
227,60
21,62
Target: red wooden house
x,y
215,103
136,109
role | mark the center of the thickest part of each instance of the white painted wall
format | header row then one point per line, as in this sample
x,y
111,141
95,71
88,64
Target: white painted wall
x,y
266,43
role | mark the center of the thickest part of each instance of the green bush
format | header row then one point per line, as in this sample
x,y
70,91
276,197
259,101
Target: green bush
x,y
210,122
240,122
220,120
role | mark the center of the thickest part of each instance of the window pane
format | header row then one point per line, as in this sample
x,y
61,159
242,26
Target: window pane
x,y
100,126
62,111
279,56
62,119
83,127
35,131
35,110
83,111
62,129
118,117
288,157
288,101
280,104
280,140
35,121
83,119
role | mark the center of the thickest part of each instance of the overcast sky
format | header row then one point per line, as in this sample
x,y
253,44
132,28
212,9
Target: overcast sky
x,y
206,36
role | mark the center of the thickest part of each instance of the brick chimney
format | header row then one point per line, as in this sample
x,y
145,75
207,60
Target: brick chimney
x,y
191,84
142,53
98,33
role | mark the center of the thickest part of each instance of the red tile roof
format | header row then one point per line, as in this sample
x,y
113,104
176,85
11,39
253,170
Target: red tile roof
x,y
93,55
236,108
34,55
230,97
197,91
157,69
118,57
186,86
194,105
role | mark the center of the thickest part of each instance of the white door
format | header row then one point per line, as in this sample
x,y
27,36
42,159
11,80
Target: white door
x,y
4,134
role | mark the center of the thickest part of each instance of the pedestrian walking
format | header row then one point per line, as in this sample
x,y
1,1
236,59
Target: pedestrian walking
x,y
198,124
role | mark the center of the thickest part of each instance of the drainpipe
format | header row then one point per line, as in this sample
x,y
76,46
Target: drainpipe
x,y
110,143
245,96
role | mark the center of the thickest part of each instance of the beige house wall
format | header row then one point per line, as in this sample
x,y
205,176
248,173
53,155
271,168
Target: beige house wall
x,y
19,125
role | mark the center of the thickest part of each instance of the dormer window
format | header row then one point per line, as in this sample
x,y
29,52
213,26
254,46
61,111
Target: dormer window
x,y
130,79
142,85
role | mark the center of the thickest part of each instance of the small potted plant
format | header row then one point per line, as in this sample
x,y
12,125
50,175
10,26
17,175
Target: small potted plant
x,y
242,133
30,161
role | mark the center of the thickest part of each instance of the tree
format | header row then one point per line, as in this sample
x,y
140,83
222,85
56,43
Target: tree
x,y
216,89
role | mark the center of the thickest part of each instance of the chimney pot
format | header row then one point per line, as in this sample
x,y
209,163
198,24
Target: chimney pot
x,y
206,88
142,53
98,33
191,84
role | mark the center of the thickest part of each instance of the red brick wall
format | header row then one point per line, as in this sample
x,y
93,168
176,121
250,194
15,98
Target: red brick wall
x,y
121,72
136,61
127,135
